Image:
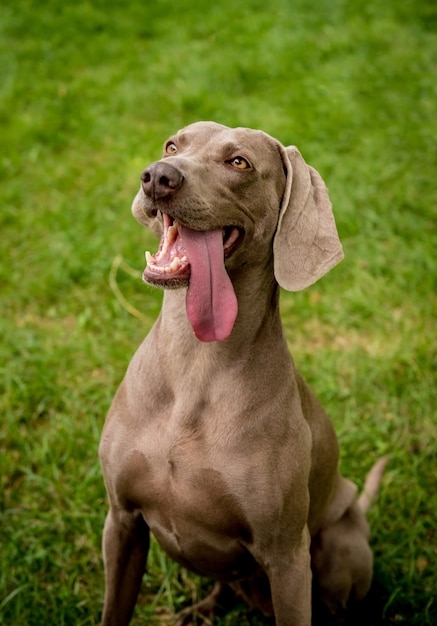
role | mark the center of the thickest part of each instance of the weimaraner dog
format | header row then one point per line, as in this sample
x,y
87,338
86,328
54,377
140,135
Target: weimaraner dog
x,y
214,442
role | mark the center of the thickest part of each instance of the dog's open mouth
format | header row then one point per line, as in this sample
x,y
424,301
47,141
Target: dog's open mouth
x,y
169,267
195,259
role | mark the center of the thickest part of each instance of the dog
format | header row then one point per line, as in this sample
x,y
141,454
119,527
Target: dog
x,y
213,441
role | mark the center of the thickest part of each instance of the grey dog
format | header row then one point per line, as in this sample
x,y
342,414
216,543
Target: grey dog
x,y
214,442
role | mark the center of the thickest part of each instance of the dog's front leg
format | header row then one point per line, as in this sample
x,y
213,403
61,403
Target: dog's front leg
x,y
290,584
125,548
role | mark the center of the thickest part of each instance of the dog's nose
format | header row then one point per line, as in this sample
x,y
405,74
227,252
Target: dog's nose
x,y
160,180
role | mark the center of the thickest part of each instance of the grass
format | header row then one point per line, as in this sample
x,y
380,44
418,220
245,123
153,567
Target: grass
x,y
88,93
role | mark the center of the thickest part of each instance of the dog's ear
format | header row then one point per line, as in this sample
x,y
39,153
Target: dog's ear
x,y
306,245
152,223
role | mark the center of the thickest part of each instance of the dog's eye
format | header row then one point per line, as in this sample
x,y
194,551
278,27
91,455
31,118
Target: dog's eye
x,y
170,148
240,163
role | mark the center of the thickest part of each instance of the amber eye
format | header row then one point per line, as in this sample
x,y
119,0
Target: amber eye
x,y
240,163
170,148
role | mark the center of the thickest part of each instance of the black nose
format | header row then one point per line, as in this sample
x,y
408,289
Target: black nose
x,y
160,180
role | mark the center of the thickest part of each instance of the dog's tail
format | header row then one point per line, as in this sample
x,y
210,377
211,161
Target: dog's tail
x,y
372,483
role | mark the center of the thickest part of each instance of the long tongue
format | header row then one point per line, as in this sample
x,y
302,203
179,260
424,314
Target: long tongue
x,y
211,301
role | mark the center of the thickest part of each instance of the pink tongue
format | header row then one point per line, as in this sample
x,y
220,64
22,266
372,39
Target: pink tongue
x,y
211,302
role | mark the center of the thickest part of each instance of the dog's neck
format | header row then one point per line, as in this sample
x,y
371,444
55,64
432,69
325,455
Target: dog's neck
x,y
258,314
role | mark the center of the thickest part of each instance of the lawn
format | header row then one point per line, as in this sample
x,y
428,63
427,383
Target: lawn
x,y
88,93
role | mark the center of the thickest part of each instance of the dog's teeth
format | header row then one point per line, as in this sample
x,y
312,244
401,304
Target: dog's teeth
x,y
170,236
184,259
174,264
171,233
148,256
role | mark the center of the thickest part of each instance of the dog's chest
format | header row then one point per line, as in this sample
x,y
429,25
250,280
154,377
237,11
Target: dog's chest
x,y
176,476
188,504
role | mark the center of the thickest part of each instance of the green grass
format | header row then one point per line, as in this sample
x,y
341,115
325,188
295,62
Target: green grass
x,y
88,93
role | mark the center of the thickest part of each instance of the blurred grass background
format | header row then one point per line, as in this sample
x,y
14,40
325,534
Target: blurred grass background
x,y
88,93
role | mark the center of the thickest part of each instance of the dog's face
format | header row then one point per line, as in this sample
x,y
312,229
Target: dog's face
x,y
227,199
218,178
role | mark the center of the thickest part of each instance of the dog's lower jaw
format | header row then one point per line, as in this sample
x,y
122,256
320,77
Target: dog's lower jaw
x,y
163,282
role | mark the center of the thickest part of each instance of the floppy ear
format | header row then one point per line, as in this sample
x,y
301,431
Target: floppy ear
x,y
306,245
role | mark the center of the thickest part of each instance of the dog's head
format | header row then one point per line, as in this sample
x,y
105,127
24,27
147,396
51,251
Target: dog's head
x,y
222,197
